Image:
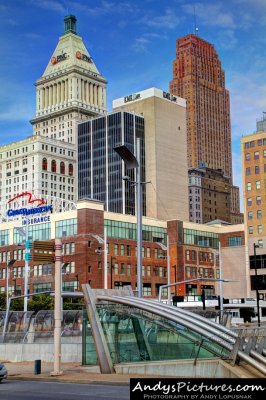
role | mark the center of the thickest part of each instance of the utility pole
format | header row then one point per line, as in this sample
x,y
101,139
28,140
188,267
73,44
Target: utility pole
x,y
57,309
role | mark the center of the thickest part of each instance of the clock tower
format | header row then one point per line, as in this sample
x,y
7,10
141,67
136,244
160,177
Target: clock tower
x,y
70,90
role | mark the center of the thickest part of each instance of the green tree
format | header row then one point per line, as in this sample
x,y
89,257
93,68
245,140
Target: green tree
x,y
72,303
2,301
41,302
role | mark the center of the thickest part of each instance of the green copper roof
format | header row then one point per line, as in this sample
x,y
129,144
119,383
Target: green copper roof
x,y
70,24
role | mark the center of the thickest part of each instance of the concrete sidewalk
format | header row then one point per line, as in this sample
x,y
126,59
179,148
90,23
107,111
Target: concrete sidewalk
x,y
72,372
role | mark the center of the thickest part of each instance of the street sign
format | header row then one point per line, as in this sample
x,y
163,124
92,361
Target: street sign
x,y
43,251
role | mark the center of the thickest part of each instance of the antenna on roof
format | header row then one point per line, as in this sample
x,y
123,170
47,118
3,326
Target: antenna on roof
x,y
196,29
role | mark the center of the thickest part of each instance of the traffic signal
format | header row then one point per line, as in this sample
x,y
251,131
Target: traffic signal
x,y
43,251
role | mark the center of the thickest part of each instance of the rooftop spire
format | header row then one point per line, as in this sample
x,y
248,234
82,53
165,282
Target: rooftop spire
x,y
70,24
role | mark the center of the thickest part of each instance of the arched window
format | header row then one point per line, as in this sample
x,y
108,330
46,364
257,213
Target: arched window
x,y
44,164
53,166
62,168
70,170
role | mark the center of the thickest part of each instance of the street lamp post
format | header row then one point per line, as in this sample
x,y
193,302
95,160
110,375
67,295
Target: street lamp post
x,y
166,248
135,163
111,272
256,246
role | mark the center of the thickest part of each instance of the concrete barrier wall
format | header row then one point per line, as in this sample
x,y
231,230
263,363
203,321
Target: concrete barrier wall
x,y
71,352
182,368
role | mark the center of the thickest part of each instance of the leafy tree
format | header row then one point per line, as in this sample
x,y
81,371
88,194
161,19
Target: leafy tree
x,y
72,303
2,301
17,304
41,302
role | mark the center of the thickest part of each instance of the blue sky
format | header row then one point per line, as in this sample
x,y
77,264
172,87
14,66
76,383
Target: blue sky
x,y
133,46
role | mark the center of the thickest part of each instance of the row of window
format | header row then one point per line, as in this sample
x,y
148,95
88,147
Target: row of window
x,y
251,229
256,155
194,272
259,214
201,238
54,168
260,142
127,269
256,170
127,230
38,270
126,250
257,185
258,201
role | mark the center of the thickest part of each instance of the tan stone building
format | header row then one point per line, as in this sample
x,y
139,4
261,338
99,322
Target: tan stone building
x,y
253,148
165,150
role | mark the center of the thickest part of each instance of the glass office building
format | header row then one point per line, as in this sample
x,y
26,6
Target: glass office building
x,y
101,170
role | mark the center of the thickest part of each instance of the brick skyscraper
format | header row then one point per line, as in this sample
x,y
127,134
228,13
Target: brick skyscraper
x,y
199,78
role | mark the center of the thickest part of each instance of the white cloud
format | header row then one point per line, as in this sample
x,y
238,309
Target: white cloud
x,y
169,20
142,43
106,7
52,5
210,14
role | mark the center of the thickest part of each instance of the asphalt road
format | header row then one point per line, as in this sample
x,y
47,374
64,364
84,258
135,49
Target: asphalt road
x,y
36,390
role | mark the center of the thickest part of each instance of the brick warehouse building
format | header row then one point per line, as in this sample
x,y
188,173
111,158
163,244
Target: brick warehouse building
x,y
193,253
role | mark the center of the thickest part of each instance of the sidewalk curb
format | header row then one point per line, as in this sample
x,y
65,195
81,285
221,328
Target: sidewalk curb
x,y
67,380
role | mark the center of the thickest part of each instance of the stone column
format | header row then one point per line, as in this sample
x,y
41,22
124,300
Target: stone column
x,y
91,94
95,95
58,93
62,91
54,94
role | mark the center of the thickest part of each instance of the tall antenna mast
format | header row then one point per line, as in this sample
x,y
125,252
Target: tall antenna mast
x,y
196,29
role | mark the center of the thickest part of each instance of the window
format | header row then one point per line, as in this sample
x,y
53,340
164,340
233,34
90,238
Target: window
x,y
235,241
250,229
257,184
247,156
258,200
249,201
53,166
116,249
260,243
67,227
70,170
264,153
146,290
44,164
250,215
256,155
248,186
62,167
259,214
122,249
248,171
257,169
259,228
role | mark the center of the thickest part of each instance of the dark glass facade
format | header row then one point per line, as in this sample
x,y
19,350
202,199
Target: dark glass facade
x,y
100,169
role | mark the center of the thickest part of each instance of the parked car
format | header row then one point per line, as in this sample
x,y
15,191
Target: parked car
x,y
3,372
